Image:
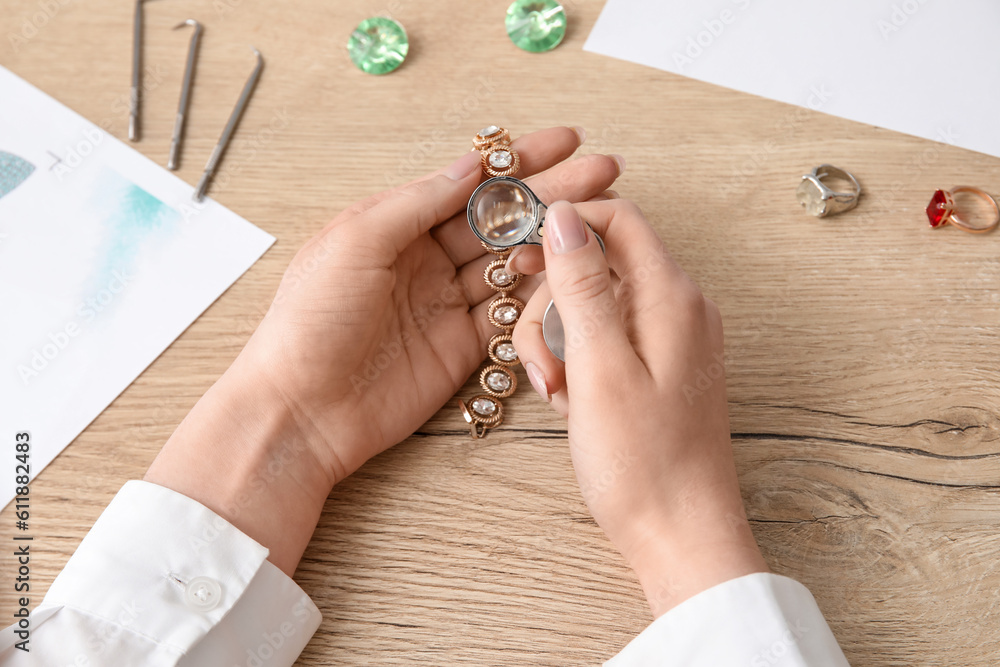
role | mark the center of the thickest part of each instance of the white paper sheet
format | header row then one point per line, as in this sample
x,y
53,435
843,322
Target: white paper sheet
x,y
925,68
104,261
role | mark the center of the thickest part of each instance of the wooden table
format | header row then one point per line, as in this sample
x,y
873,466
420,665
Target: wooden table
x,y
860,349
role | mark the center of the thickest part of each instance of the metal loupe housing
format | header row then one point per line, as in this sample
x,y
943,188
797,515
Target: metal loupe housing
x,y
504,212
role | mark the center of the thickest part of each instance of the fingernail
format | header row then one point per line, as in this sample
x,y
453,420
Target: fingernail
x,y
565,229
582,133
463,166
511,265
537,380
620,161
612,194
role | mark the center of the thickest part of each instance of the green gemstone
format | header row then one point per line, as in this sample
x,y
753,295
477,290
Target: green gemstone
x,y
536,25
378,45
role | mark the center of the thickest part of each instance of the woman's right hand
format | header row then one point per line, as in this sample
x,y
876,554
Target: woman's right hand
x,y
644,391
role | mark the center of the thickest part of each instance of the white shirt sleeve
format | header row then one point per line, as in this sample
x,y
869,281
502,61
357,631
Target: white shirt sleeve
x,y
760,620
162,581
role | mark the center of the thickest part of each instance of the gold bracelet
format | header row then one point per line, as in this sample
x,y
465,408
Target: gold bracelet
x,y
485,411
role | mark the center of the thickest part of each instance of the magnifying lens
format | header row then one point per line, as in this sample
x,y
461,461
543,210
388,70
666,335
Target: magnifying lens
x,y
504,212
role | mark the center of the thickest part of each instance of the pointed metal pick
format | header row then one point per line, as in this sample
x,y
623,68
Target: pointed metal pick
x,y
133,99
135,91
227,132
175,143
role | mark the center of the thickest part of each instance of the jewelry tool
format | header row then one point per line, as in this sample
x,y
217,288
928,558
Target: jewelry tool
x,y
133,100
175,143
227,132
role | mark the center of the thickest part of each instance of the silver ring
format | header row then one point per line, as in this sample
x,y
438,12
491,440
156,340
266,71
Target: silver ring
x,y
821,201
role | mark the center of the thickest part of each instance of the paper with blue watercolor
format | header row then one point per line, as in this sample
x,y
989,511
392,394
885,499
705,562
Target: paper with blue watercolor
x,y
104,261
918,67
13,171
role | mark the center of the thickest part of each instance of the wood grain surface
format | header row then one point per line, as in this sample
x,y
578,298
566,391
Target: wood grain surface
x,y
861,349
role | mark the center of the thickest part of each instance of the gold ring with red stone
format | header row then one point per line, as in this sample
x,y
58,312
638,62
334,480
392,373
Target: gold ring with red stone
x,y
943,210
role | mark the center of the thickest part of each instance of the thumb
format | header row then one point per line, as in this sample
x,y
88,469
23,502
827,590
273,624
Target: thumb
x,y
407,212
578,276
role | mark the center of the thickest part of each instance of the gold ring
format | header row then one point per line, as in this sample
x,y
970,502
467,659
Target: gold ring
x,y
942,210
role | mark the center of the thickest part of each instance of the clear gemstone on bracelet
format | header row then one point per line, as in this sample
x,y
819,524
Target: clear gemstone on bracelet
x,y
506,314
498,381
484,407
501,159
488,131
506,352
500,277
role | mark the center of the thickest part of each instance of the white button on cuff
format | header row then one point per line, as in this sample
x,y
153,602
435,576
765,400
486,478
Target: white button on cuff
x,y
203,594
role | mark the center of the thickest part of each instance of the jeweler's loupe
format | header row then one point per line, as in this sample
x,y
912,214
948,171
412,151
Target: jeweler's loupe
x,y
503,213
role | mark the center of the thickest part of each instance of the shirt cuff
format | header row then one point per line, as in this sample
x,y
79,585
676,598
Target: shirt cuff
x,y
760,620
171,568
